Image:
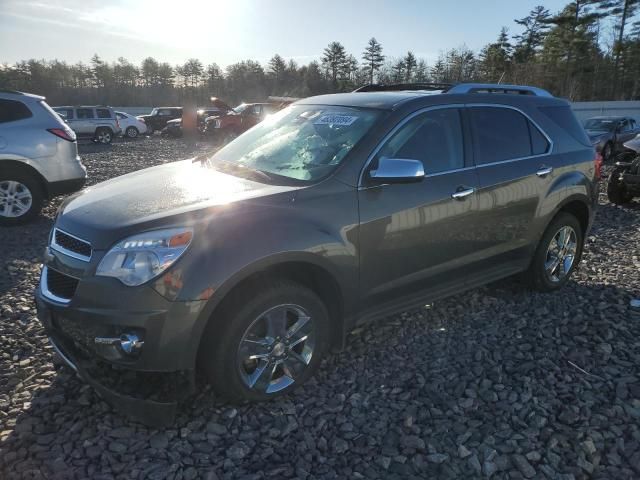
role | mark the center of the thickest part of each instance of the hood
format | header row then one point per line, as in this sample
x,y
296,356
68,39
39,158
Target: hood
x,y
593,134
154,197
216,102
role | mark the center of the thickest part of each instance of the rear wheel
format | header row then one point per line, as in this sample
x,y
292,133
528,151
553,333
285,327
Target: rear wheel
x,y
104,135
21,198
132,132
265,343
616,190
557,255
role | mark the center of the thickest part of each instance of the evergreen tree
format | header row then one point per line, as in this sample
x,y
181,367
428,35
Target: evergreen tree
x,y
373,57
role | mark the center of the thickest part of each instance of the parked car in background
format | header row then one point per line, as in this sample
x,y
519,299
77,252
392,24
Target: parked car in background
x,y
624,180
174,127
238,120
38,157
253,262
159,117
131,126
99,123
607,134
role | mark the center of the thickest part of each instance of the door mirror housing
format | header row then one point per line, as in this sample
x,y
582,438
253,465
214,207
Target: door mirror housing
x,y
398,170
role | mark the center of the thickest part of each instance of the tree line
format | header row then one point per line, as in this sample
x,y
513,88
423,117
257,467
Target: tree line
x,y
590,50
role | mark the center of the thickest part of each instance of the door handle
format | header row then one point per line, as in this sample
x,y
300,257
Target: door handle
x,y
462,193
544,171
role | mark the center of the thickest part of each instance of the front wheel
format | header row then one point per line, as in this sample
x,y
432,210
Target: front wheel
x,y
557,255
265,343
132,132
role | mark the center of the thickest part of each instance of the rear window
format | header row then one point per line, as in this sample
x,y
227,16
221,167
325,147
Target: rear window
x,y
12,110
84,113
565,119
499,134
65,113
103,113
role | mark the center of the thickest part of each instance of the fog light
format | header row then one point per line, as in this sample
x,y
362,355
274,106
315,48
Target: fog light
x,y
130,343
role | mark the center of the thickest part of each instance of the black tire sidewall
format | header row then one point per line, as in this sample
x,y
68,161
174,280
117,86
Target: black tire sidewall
x,y
37,197
217,356
616,191
537,273
100,130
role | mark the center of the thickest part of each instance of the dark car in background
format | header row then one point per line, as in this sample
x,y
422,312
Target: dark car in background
x,y
174,127
607,134
159,117
238,120
251,263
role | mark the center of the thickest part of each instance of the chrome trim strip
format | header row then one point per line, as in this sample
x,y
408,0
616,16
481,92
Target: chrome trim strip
x,y
45,290
69,253
464,88
64,357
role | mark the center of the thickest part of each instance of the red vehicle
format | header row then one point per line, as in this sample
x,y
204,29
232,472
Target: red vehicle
x,y
236,121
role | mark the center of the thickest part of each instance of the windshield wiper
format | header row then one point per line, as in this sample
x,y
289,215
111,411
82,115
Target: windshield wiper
x,y
239,167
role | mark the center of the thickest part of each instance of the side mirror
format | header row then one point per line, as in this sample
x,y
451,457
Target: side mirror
x,y
398,170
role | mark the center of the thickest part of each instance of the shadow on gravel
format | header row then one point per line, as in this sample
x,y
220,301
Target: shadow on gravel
x,y
498,381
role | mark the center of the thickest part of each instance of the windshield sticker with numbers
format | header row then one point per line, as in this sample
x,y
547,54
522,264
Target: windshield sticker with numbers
x,y
335,119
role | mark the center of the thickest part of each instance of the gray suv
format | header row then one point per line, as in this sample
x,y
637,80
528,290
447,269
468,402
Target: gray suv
x,y
38,157
98,123
251,263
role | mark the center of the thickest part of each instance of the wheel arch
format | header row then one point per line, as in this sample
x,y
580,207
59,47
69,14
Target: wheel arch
x,y
304,269
23,166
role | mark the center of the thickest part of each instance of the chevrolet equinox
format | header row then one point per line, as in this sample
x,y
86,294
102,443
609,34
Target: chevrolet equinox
x,y
251,263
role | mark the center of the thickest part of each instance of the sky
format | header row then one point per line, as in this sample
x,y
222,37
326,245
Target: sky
x,y
225,32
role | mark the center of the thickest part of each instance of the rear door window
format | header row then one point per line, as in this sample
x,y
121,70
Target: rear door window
x,y
84,113
13,110
103,113
65,113
566,120
499,134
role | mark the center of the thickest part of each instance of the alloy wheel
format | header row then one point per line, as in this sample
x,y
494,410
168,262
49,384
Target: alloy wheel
x,y
15,199
561,254
276,348
104,136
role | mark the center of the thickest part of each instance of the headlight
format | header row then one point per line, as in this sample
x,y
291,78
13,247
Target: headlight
x,y
138,259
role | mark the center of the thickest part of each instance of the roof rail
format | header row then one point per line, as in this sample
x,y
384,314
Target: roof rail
x,y
498,88
395,87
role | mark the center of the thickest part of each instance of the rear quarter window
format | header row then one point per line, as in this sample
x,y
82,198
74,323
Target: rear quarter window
x,y
13,110
566,120
103,113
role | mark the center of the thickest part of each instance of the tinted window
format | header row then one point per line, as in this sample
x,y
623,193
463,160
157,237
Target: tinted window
x,y
434,138
500,134
103,113
11,110
65,113
627,126
539,143
565,119
83,113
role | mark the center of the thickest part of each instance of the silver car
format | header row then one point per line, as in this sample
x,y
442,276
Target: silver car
x,y
98,123
38,157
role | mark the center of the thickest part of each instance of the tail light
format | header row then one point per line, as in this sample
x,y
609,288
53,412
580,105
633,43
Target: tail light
x,y
598,166
117,123
64,133
142,120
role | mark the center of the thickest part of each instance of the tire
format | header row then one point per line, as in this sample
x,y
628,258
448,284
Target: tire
x,y
19,185
103,136
607,152
616,190
132,132
224,348
538,275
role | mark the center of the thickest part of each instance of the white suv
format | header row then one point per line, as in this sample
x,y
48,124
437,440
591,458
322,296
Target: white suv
x,y
38,157
98,123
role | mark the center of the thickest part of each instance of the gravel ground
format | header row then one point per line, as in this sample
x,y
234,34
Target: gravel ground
x,y
496,382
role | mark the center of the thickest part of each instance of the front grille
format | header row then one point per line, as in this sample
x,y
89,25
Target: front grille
x,y
71,244
61,285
